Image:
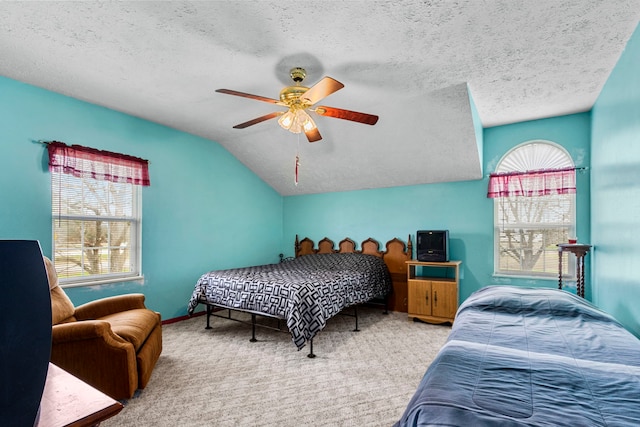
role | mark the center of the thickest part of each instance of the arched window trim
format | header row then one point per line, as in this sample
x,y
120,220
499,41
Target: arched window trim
x,y
502,166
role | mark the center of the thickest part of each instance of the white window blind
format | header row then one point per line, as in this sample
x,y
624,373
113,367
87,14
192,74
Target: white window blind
x,y
96,229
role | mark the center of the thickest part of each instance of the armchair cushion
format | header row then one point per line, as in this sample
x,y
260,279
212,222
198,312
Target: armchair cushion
x,y
133,326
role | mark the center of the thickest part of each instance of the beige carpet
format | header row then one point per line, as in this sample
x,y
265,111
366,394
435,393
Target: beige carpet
x,y
218,378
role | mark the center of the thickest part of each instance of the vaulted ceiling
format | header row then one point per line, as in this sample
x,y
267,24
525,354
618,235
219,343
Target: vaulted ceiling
x,y
421,66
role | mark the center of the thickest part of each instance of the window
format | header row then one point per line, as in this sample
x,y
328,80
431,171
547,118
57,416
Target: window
x,y
530,221
96,222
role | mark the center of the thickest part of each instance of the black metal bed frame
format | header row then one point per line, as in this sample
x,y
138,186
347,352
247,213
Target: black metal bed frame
x,y
211,311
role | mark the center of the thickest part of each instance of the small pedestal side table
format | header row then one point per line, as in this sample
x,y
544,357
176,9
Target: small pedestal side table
x,y
580,251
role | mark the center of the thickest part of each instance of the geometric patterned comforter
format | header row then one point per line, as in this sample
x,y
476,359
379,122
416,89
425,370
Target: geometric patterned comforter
x,y
306,291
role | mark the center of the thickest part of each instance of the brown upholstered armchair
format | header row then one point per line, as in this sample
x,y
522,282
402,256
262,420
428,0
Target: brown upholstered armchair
x,y
112,343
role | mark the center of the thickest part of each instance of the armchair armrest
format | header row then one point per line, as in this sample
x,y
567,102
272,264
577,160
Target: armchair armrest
x,y
105,306
91,351
86,330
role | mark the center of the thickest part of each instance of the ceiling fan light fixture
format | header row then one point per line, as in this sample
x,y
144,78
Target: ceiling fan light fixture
x,y
296,121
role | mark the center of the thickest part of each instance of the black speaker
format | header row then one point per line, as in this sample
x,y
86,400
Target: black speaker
x,y
25,331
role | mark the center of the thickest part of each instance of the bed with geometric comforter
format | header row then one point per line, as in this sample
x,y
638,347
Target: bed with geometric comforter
x,y
530,357
305,291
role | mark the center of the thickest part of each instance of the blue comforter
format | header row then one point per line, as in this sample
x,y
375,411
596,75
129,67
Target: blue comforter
x,y
530,357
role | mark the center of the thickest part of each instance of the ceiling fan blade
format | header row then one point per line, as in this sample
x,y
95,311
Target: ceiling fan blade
x,y
313,135
320,90
248,95
354,116
259,120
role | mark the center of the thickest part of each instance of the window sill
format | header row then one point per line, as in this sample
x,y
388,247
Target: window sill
x,y
523,277
101,282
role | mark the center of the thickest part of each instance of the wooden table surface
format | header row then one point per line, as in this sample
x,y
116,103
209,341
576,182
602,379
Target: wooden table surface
x,y
69,401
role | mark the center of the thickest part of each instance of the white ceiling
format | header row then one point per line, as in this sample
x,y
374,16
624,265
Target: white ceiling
x,y
410,62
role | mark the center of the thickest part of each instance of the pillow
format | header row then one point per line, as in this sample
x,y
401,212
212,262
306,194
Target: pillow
x,y
51,273
62,308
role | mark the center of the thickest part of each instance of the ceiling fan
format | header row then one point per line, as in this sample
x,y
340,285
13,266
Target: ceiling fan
x,y
299,99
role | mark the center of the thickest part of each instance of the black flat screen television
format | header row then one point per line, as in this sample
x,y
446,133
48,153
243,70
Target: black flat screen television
x,y
433,245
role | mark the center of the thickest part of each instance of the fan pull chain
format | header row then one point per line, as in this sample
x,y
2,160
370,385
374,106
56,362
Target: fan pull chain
x,y
297,167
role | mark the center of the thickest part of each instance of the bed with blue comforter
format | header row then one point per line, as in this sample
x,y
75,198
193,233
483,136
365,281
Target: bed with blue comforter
x,y
530,357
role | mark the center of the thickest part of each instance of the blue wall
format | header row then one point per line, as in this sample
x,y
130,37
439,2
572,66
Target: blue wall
x,y
615,186
204,209
460,207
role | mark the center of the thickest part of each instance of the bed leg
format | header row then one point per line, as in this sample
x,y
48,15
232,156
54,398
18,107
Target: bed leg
x,y
253,328
209,310
355,310
311,355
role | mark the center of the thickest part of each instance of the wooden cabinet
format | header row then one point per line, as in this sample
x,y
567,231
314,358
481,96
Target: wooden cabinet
x,y
433,290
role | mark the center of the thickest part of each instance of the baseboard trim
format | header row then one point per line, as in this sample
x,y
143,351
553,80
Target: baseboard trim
x,y
181,318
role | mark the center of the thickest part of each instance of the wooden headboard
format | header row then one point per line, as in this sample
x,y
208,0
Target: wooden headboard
x,y
395,255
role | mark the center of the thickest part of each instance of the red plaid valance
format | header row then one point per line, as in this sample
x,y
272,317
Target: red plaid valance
x,y
88,162
532,183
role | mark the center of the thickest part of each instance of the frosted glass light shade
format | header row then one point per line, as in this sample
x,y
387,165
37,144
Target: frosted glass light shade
x,y
296,121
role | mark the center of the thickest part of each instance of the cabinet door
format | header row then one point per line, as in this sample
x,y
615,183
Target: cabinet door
x,y
420,297
445,299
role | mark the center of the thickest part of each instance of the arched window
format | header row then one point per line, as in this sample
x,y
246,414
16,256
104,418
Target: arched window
x,y
534,209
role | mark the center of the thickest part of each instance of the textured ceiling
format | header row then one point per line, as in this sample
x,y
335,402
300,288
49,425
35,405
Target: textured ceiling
x,y
412,63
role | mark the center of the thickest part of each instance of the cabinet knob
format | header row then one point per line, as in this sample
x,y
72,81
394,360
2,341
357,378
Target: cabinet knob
x,y
435,297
